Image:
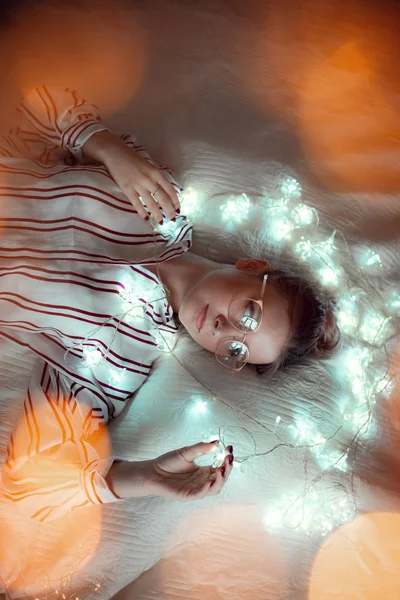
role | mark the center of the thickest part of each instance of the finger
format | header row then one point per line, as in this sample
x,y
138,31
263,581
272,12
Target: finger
x,y
164,201
151,204
201,493
216,487
190,453
228,464
169,189
134,199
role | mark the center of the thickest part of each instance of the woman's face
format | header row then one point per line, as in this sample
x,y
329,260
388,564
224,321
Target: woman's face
x,y
215,292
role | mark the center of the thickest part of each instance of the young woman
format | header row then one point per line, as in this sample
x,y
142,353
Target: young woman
x,y
91,289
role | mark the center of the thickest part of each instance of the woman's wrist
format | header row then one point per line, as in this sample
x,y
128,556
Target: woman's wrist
x,y
102,147
131,479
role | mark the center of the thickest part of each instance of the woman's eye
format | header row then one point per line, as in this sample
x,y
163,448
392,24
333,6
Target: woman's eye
x,y
248,319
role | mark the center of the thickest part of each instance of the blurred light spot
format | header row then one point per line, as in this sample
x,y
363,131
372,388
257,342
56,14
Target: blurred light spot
x,y
360,560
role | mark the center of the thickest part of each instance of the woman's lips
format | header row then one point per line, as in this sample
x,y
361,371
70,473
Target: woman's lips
x,y
201,319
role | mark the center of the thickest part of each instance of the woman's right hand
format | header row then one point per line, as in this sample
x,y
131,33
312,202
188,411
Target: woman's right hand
x,y
176,475
173,475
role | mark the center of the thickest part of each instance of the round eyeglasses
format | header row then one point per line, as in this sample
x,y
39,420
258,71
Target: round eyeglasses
x,y
245,315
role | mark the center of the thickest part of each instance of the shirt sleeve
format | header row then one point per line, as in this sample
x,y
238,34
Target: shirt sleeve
x,y
58,456
61,118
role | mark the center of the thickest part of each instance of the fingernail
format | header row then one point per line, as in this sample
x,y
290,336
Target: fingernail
x,y
178,211
212,483
174,219
230,449
214,442
147,218
161,222
231,459
223,471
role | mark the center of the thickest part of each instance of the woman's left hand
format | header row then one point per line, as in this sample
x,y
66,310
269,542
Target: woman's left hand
x,y
175,474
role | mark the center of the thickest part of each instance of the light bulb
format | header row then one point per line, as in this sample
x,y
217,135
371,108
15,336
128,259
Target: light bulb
x,y
291,188
236,209
190,202
91,356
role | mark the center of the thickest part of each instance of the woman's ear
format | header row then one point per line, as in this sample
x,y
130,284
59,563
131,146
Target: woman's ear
x,y
253,265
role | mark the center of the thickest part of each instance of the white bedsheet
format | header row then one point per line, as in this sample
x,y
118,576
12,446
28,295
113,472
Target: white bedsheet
x,y
199,111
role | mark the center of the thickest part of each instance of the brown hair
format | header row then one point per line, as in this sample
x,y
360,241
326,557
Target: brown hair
x,y
314,331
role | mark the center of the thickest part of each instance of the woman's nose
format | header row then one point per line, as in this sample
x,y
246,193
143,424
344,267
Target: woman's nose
x,y
221,326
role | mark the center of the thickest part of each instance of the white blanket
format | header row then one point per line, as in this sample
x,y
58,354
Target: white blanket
x,y
230,98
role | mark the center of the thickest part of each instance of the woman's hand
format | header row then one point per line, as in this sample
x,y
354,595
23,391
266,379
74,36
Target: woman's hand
x,y
173,475
176,475
136,176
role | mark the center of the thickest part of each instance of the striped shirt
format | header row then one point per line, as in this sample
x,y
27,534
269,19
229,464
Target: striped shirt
x,y
75,290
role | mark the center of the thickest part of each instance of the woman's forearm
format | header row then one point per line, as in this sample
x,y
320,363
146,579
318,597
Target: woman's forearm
x,y
131,479
102,147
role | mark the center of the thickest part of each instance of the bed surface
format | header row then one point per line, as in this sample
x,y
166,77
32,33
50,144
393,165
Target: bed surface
x,y
232,96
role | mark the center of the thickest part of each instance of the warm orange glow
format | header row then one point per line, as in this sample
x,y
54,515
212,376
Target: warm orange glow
x,y
329,76
394,404
98,50
222,548
75,536
360,560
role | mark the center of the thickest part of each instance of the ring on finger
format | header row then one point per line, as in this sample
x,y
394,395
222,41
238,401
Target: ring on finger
x,y
154,194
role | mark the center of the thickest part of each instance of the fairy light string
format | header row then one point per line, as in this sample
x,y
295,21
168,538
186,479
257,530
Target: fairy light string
x,y
293,224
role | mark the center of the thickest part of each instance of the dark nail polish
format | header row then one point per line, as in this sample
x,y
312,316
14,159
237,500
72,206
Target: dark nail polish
x,y
214,442
173,220
230,449
223,471
147,218
231,459
178,211
161,222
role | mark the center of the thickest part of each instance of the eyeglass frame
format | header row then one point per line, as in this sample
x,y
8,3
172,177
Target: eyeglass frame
x,y
260,302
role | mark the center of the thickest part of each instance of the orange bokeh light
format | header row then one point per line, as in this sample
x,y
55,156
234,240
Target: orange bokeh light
x,y
99,50
75,536
360,560
328,75
222,548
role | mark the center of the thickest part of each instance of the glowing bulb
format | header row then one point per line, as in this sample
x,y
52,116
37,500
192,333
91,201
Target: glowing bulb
x,y
303,248
368,259
333,460
165,340
384,384
303,214
136,288
317,513
318,439
91,356
329,276
236,209
134,312
116,376
355,360
277,421
291,188
168,228
190,202
393,303
349,313
375,327
279,229
200,407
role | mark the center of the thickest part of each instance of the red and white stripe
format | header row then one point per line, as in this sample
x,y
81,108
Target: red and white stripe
x,y
70,240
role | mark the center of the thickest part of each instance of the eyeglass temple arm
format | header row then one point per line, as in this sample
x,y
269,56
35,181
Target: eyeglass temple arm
x,y
264,283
